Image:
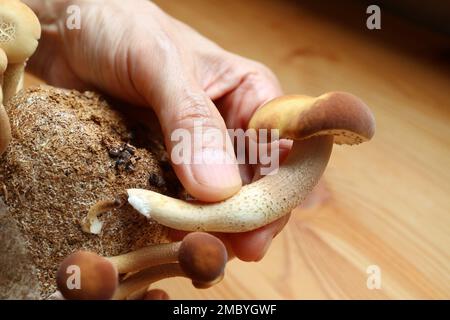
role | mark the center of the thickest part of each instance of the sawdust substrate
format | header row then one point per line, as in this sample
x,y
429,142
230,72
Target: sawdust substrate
x,y
70,150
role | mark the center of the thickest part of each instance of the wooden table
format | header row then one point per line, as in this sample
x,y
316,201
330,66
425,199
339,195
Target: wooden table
x,y
386,202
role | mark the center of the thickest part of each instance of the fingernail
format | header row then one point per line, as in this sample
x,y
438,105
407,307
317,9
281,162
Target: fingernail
x,y
216,169
265,249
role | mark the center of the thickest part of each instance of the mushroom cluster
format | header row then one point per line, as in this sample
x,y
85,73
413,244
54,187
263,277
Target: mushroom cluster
x,y
200,257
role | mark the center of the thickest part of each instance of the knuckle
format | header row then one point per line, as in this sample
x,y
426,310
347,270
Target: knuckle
x,y
193,108
265,72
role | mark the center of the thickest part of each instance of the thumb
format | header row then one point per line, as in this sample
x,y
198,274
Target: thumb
x,y
197,141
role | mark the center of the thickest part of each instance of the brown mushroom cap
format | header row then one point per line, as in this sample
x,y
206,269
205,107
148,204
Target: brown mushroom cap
x,y
340,114
98,277
20,30
202,257
206,285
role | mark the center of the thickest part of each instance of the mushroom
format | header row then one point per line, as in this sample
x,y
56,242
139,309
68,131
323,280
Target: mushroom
x,y
91,223
314,124
19,34
86,276
200,257
5,129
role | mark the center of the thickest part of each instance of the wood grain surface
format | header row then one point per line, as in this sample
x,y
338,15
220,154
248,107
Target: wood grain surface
x,y
384,203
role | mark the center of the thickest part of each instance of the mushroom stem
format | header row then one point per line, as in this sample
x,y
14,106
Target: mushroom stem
x,y
5,128
91,223
13,80
146,257
138,283
144,278
192,250
314,124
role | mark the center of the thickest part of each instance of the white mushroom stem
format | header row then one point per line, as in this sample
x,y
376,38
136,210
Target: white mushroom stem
x,y
13,80
146,257
91,223
255,205
314,124
5,128
145,278
139,282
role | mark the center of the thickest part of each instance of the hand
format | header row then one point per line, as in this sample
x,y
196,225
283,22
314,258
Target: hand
x,y
134,51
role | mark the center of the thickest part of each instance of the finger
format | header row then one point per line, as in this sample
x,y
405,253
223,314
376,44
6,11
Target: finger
x,y
196,138
253,245
239,92
257,85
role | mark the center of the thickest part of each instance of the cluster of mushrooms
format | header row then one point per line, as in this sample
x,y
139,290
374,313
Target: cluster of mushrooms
x,y
314,123
200,257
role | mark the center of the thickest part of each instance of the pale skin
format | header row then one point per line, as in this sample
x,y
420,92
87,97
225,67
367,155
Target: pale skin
x,y
155,61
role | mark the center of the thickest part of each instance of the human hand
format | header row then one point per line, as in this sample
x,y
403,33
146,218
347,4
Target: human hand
x,y
134,51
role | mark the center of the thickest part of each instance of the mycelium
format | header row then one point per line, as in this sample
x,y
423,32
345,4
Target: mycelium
x,y
314,124
200,257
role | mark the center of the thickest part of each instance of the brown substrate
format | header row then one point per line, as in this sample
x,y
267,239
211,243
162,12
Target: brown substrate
x,y
70,150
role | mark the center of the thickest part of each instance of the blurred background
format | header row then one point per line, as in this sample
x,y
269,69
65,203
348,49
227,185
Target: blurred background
x,y
384,205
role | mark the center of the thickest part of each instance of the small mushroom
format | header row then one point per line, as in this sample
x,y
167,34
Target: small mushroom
x,y
200,257
91,223
314,124
19,34
86,276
